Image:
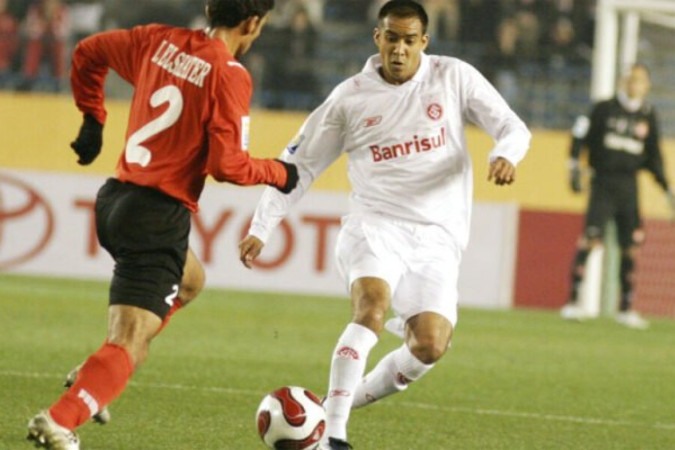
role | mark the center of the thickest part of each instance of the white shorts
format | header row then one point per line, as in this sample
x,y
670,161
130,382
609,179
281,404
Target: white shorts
x,y
419,262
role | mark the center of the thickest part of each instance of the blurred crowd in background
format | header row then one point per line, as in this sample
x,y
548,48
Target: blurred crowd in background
x,y
532,50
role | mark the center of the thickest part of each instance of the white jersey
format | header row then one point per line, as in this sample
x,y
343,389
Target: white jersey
x,y
407,153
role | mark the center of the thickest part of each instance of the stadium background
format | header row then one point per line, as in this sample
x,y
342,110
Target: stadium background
x,y
545,77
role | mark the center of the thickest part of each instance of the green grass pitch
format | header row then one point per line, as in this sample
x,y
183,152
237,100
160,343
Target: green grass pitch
x,y
513,379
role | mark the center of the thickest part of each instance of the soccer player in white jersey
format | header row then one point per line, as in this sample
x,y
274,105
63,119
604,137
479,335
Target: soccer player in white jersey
x,y
401,122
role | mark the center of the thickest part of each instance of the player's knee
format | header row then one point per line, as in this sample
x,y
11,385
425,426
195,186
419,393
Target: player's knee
x,y
192,283
132,328
429,351
190,290
371,316
370,299
137,349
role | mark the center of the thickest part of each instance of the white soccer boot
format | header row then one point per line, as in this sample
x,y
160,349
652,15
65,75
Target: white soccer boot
x,y
573,312
48,434
103,416
633,320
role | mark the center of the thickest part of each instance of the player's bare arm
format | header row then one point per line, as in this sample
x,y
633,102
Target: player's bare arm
x,y
502,172
249,249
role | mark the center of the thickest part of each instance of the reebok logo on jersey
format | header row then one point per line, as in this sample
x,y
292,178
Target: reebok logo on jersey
x,y
371,121
416,145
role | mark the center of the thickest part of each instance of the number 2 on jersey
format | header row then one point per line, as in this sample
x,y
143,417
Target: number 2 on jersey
x,y
134,152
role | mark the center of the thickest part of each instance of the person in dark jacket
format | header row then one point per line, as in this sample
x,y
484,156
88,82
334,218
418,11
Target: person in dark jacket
x,y
621,136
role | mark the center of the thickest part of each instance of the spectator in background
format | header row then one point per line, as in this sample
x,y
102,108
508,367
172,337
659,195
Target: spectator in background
x,y
503,60
9,44
298,76
529,32
444,18
579,12
119,14
288,74
560,47
347,12
47,30
85,18
284,10
168,12
479,21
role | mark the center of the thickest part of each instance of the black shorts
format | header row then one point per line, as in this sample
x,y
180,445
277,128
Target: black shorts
x,y
146,233
613,197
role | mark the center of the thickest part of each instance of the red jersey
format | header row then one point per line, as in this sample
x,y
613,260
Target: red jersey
x,y
189,115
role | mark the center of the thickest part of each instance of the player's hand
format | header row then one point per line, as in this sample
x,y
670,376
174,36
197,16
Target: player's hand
x,y
89,140
502,172
249,249
575,179
291,177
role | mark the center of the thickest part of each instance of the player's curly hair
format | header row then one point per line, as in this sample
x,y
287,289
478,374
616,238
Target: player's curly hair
x,y
230,13
404,9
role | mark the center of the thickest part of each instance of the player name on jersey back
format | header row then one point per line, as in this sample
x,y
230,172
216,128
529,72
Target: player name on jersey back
x,y
181,64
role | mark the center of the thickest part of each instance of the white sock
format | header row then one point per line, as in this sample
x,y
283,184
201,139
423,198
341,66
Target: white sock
x,y
347,367
391,375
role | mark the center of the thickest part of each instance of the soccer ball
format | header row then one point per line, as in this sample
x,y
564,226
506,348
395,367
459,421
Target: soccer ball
x,y
291,418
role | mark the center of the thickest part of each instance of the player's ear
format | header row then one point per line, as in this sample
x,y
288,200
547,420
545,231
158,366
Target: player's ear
x,y
376,36
425,41
252,25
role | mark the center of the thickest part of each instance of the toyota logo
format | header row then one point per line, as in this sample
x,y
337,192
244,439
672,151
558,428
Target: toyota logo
x,y
26,222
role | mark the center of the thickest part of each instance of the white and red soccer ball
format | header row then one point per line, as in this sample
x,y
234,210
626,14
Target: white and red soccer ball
x,y
291,418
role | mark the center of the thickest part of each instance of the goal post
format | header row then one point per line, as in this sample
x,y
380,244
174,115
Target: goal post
x,y
617,30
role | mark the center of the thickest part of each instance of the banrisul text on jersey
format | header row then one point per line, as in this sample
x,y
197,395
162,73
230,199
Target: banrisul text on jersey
x,y
181,64
415,145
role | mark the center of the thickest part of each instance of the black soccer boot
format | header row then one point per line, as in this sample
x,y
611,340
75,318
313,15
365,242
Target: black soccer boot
x,y
338,444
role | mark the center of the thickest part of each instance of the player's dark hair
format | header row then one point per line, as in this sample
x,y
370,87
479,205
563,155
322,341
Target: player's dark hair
x,y
230,13
404,9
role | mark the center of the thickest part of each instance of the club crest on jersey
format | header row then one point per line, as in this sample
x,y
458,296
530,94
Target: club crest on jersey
x,y
435,111
371,121
292,146
641,129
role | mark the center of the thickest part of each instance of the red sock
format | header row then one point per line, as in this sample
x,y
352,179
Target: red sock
x,y
177,304
100,380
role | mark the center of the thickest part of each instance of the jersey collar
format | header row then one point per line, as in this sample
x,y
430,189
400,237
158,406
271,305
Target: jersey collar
x,y
629,104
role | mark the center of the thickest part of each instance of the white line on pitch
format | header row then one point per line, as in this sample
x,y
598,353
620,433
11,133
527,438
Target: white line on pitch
x,y
552,417
416,405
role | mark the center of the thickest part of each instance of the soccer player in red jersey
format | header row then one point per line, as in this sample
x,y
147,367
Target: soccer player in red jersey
x,y
189,118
